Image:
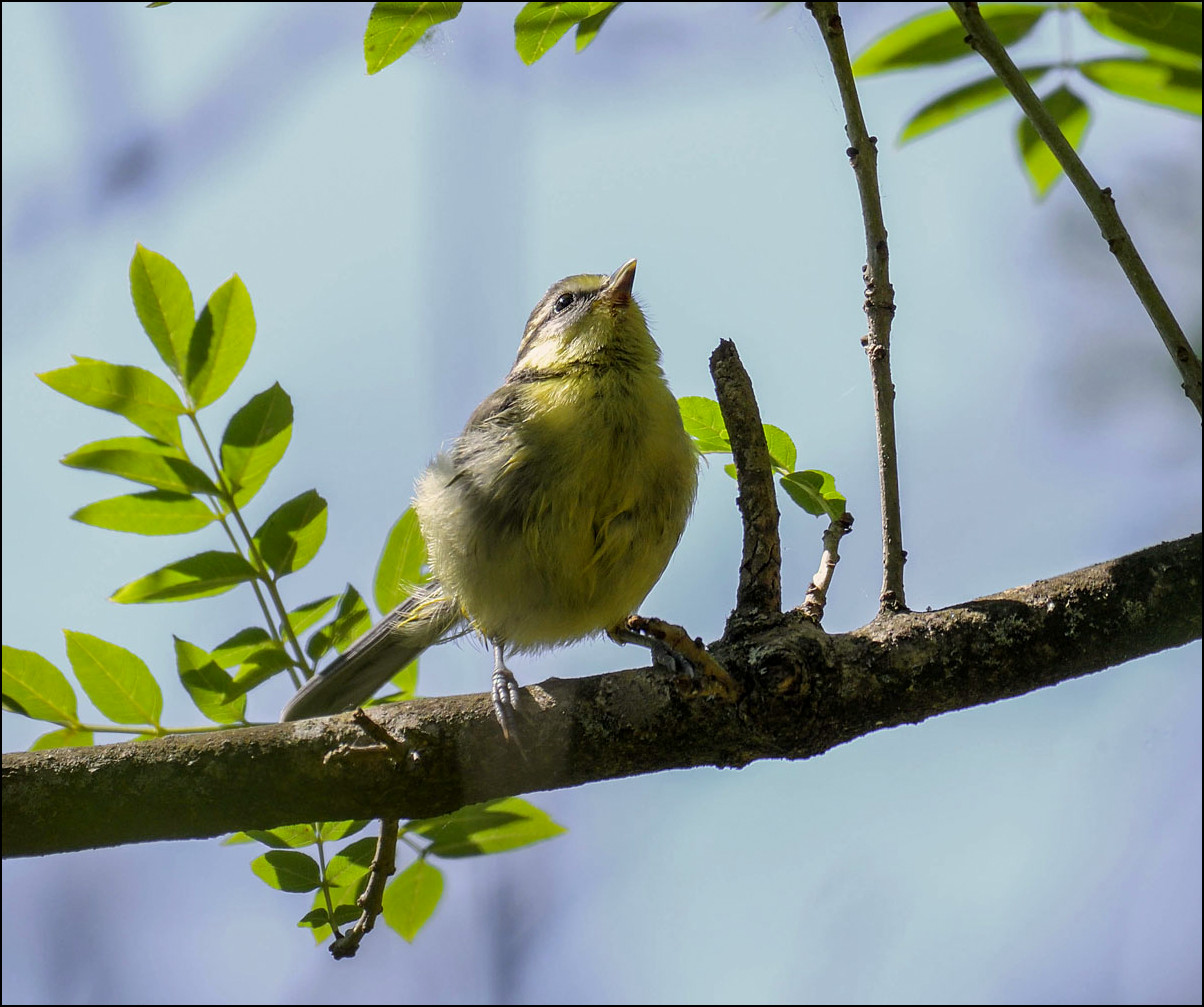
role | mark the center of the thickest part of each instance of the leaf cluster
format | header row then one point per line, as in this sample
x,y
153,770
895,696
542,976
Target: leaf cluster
x,y
1166,73
811,489
338,881
191,490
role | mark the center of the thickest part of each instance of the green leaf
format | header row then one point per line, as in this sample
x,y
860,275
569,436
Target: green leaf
x,y
491,827
588,28
209,684
703,421
293,533
815,492
782,452
1147,80
64,737
155,512
332,832
118,682
938,37
961,102
143,398
399,569
142,460
304,616
35,688
265,663
164,305
1169,32
221,342
199,576
286,837
393,28
539,26
255,440
236,649
288,870
351,863
411,897
1071,115
350,622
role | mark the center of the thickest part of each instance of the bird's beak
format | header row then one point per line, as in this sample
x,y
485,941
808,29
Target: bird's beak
x,y
618,287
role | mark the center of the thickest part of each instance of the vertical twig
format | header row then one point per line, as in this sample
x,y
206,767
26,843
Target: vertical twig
x,y
879,303
760,587
1099,201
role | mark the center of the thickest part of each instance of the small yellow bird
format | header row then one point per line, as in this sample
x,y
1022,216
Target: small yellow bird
x,y
554,513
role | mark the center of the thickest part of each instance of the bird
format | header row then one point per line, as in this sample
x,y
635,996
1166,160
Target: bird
x,y
554,512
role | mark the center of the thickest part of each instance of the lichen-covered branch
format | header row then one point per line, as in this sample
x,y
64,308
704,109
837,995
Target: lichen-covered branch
x,y
759,591
805,692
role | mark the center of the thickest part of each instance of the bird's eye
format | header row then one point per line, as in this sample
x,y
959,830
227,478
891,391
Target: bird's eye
x,y
562,302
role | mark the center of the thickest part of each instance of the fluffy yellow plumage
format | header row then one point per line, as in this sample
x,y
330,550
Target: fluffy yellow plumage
x,y
554,513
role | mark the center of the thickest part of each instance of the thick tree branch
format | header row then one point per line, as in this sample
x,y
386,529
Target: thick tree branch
x,y
1099,201
804,692
759,591
879,303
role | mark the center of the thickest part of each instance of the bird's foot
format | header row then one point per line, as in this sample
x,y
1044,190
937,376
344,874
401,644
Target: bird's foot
x,y
676,651
504,693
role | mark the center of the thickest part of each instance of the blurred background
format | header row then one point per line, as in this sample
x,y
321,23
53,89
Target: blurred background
x,y
394,231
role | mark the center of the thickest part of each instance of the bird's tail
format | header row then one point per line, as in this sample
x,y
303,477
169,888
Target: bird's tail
x,y
423,619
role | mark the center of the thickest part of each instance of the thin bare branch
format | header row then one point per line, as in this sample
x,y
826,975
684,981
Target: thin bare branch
x,y
817,591
879,303
1099,201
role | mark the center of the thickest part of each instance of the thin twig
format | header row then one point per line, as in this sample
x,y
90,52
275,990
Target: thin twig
x,y
817,591
1099,201
384,863
879,304
760,588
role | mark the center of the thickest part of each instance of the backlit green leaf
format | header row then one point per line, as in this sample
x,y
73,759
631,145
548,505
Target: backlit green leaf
x,y
539,26
200,576
118,682
393,28
288,870
304,616
351,621
293,533
399,569
233,651
221,342
164,305
961,102
286,837
64,737
142,460
782,452
1169,32
815,492
1147,80
411,897
209,684
588,28
491,827
1071,115
938,37
255,440
143,398
155,512
35,688
703,421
